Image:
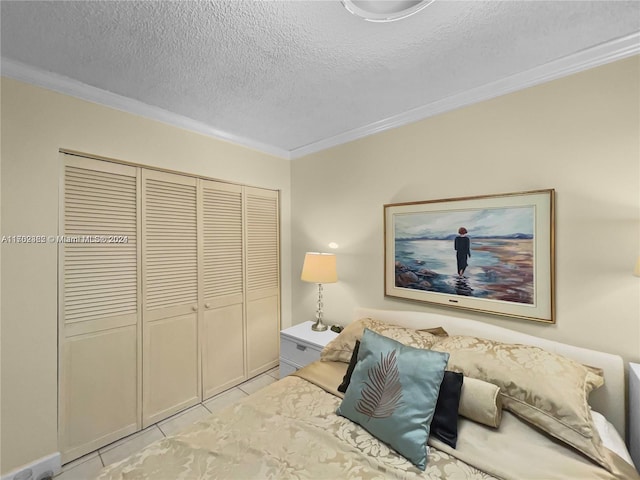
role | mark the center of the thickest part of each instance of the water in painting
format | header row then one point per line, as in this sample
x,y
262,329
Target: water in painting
x,y
500,266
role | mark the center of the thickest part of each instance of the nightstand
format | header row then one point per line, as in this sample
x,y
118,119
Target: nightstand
x,y
300,346
634,413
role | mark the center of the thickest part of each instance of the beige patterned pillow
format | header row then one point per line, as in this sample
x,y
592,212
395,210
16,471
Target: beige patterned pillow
x,y
341,347
481,402
543,388
437,331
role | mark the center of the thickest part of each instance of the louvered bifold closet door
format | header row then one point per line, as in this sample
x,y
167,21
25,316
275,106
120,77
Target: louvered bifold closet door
x,y
99,284
222,287
171,374
262,259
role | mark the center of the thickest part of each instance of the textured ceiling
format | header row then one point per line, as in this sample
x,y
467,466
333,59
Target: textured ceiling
x,y
295,73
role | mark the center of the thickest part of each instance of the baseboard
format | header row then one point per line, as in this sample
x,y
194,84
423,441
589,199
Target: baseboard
x,y
41,469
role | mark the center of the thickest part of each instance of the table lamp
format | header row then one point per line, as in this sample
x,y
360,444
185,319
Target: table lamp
x,y
319,268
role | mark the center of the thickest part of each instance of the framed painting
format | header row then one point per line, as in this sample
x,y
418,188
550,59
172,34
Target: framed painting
x,y
493,253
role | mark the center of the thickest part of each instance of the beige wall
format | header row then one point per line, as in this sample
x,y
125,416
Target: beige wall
x,y
579,135
35,124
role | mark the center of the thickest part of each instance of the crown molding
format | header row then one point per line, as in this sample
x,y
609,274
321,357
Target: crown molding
x,y
589,58
59,83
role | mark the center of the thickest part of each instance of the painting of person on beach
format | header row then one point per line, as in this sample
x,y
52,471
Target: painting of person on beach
x,y
502,243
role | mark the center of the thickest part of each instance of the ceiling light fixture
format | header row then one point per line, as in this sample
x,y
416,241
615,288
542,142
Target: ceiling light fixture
x,y
384,10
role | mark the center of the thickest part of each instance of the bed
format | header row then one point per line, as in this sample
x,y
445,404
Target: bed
x,y
290,429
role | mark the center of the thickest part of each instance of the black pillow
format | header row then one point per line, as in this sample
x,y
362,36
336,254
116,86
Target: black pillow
x,y
444,425
352,364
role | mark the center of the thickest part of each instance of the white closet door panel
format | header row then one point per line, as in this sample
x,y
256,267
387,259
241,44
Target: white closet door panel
x,y
100,276
222,239
99,305
262,279
223,345
170,254
222,287
263,263
262,334
99,381
170,367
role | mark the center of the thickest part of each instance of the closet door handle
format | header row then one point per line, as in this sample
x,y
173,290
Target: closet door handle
x,y
207,305
194,308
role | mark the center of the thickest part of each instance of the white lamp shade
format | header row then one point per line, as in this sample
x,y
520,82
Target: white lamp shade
x,y
319,268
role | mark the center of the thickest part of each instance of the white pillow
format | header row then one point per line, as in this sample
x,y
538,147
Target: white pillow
x,y
610,437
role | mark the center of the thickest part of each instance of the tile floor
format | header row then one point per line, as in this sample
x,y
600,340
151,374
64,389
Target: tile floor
x,y
88,466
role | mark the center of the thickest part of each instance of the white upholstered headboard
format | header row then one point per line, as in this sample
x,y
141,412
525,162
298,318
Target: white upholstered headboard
x,y
608,400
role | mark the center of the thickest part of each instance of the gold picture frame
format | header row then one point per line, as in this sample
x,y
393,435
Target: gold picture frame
x,y
493,253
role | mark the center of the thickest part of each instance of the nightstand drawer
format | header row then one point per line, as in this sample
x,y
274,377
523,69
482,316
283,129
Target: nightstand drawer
x,y
287,368
298,352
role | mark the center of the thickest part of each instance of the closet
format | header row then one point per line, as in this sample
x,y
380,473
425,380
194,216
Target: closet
x,y
169,293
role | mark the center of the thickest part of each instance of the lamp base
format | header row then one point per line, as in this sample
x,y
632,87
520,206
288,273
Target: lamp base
x,y
318,326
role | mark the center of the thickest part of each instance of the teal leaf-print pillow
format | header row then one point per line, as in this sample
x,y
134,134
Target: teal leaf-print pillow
x,y
381,394
393,393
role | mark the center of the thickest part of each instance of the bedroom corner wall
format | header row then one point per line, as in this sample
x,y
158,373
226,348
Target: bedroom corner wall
x,y
579,135
35,124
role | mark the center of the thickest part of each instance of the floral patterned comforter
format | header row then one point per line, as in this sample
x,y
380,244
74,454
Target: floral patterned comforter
x,y
289,430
